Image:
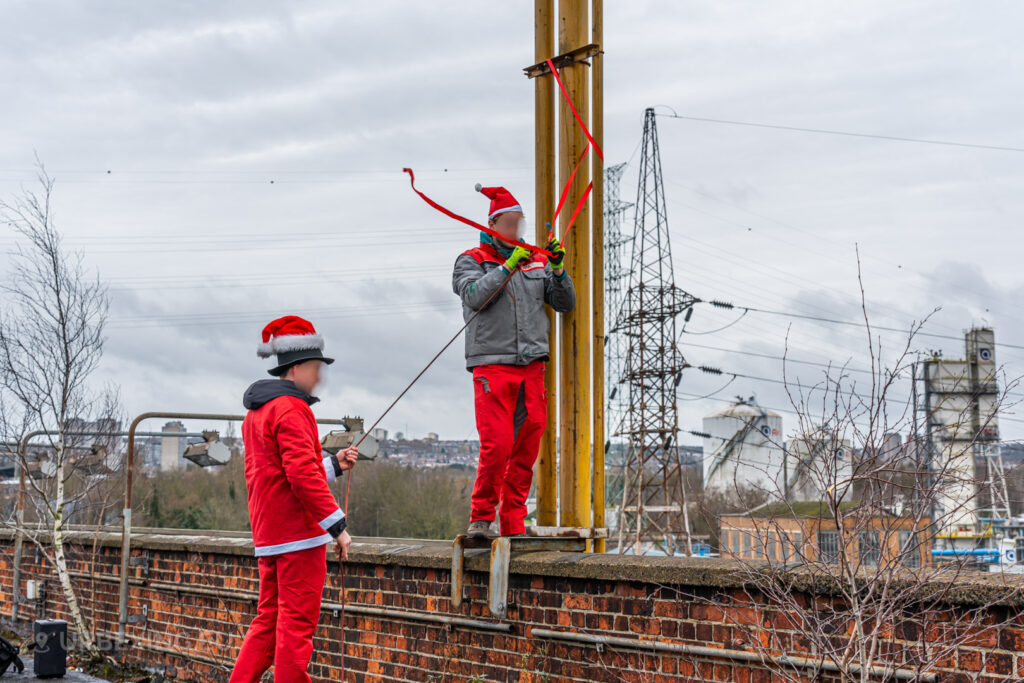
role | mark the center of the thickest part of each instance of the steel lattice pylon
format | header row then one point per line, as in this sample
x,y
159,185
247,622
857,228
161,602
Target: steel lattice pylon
x,y
652,510
615,282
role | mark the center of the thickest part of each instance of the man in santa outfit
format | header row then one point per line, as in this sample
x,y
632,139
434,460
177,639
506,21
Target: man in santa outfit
x,y
292,511
506,350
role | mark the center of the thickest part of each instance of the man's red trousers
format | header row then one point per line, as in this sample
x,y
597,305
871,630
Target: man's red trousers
x,y
291,586
511,415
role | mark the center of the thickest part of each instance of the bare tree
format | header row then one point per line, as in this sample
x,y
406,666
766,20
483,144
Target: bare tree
x,y
51,341
852,524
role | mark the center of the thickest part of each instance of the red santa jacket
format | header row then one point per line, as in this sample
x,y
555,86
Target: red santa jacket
x,y
290,506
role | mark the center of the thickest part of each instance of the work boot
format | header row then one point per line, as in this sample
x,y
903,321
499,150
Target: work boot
x,y
478,529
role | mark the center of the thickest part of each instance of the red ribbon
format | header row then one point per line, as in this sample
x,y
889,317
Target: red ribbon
x,y
579,205
561,201
554,72
474,224
568,184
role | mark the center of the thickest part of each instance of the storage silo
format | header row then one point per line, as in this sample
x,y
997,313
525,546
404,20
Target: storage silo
x,y
816,461
743,449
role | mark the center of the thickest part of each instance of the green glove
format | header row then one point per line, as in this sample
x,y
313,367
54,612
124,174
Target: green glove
x,y
558,251
519,254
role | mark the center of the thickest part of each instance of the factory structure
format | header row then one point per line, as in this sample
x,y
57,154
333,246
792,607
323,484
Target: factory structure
x,y
744,449
956,405
960,406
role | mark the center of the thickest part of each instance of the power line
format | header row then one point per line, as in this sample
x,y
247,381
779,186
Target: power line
x,y
248,317
824,131
833,321
268,171
311,278
780,358
369,242
234,238
860,324
809,388
809,235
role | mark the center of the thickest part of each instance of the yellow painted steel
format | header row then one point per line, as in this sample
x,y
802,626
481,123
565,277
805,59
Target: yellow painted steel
x,y
544,117
597,240
576,339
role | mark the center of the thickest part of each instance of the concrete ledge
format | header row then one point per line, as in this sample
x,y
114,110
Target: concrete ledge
x,y
978,589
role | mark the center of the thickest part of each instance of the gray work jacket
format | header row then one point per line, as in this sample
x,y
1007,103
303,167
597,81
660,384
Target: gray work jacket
x,y
513,328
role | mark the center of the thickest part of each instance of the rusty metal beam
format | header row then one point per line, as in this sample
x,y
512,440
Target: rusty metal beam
x,y
579,55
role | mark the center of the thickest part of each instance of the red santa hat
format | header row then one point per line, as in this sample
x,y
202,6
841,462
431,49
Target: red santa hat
x,y
294,340
502,200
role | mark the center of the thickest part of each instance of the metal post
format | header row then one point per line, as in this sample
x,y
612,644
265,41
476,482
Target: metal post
x,y
597,240
544,124
19,534
575,395
22,485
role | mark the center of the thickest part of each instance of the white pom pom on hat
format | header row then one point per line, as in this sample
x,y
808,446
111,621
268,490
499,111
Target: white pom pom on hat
x,y
502,200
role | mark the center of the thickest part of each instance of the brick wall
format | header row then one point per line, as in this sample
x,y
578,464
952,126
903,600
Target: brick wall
x,y
199,595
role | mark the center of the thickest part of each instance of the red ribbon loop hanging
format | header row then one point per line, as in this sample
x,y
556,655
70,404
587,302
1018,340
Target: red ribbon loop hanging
x,y
561,201
474,224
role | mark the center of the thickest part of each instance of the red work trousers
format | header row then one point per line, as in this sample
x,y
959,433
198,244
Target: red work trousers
x,y
511,415
291,586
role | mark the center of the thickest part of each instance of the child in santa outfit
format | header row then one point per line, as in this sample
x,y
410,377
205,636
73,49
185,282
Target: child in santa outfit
x,y
506,350
291,509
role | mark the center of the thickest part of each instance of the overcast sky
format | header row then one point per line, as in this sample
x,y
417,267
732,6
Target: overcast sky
x,y
221,164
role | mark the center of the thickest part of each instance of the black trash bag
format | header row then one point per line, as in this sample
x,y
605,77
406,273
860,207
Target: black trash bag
x,y
9,656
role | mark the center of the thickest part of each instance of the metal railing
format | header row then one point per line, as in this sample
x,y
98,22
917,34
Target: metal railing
x,y
19,515
126,518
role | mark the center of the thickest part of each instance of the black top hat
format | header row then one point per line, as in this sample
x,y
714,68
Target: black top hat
x,y
287,359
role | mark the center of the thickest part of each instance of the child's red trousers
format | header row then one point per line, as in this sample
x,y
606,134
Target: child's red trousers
x,y
291,586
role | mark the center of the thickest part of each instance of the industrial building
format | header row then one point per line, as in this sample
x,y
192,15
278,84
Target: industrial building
x,y
805,531
960,406
813,462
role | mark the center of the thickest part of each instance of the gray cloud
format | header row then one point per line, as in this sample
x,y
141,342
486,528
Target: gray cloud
x,y
196,107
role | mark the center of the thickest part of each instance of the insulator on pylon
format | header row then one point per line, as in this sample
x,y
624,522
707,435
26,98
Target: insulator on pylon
x,y
721,304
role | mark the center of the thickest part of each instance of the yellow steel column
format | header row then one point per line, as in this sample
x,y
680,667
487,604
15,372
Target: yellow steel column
x,y
544,161
597,239
574,464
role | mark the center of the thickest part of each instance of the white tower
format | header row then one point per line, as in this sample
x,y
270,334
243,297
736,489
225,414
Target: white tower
x,y
743,448
960,404
815,462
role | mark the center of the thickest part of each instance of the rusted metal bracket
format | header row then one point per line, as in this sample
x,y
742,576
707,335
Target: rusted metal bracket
x,y
538,539
140,562
138,618
578,56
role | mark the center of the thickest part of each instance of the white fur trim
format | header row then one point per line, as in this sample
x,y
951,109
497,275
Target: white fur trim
x,y
506,210
479,187
290,342
296,342
264,350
